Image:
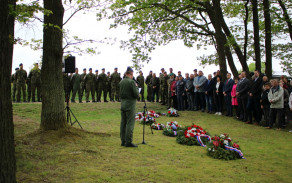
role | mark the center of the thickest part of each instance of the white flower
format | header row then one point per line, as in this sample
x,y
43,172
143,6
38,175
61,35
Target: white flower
x,y
213,150
222,136
226,142
209,149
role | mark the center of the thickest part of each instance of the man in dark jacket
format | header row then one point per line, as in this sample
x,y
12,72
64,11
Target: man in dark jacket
x,y
227,87
265,103
209,92
242,95
190,92
154,82
255,95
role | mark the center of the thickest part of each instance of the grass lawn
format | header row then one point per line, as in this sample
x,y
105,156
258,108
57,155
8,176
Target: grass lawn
x,y
95,155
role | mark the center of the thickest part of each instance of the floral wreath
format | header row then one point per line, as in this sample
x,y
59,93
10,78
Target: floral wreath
x,y
222,147
171,129
172,113
193,135
157,126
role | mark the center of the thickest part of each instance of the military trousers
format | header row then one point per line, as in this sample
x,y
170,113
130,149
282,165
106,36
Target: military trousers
x,y
164,94
75,90
90,88
14,91
142,95
109,91
114,91
21,87
36,86
104,89
28,91
96,93
127,124
149,93
82,89
169,100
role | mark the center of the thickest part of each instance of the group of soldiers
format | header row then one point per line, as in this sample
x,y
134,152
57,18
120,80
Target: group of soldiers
x,y
96,84
33,82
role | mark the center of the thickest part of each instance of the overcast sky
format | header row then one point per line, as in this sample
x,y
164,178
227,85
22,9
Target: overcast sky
x,y
85,26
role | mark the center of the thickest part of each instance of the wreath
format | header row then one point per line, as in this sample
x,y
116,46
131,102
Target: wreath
x,y
172,113
222,147
193,135
157,126
171,129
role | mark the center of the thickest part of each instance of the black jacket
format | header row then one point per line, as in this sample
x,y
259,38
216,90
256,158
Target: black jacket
x,y
243,88
209,87
256,88
190,86
265,99
220,88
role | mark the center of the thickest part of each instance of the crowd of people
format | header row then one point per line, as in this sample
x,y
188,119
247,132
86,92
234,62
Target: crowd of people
x,y
250,99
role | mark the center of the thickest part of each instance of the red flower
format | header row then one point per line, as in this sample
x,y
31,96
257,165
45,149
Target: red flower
x,y
217,138
216,143
235,145
212,138
222,143
169,112
192,135
186,136
189,128
195,126
193,130
229,140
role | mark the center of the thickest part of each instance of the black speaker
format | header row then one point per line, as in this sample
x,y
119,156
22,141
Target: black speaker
x,y
69,65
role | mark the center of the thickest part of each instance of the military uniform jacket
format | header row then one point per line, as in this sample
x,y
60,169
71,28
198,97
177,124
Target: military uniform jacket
x,y
82,78
148,79
96,80
164,82
128,93
115,78
169,81
90,79
161,76
102,79
140,79
21,76
76,79
154,82
13,79
35,76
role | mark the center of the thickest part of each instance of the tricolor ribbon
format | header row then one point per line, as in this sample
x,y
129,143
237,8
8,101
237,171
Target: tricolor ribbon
x,y
236,150
200,141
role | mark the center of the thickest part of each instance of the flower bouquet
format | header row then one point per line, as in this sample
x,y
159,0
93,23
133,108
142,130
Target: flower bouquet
x,y
222,147
139,116
153,114
157,126
172,113
193,135
171,129
148,120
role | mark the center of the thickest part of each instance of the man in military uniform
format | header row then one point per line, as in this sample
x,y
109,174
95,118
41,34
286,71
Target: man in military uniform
x,y
90,84
108,85
140,79
169,81
154,82
171,72
161,75
96,86
118,90
129,94
35,79
83,87
14,81
102,78
76,80
115,79
21,76
164,88
149,89
28,83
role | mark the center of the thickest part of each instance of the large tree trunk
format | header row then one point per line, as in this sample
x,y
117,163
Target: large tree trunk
x,y
256,32
7,149
53,113
286,16
213,14
245,30
229,57
268,40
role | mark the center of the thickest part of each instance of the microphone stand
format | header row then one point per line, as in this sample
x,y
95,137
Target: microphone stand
x,y
144,123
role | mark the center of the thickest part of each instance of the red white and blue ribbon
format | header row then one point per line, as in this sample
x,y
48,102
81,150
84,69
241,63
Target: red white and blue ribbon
x,y
200,141
236,150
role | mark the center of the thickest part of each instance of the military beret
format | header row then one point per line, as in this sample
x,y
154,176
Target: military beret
x,y
179,71
195,69
108,72
16,68
84,69
103,69
115,68
76,68
214,72
171,74
96,70
162,68
90,68
129,69
20,64
150,71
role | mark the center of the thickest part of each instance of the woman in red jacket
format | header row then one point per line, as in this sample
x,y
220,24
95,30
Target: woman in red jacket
x,y
173,95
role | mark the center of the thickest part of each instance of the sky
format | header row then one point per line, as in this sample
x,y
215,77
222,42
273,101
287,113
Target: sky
x,y
85,26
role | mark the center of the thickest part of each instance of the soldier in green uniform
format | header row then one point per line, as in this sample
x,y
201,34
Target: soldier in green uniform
x,y
160,83
108,85
90,84
76,80
169,81
164,88
65,84
28,83
96,85
83,87
129,94
14,81
140,79
118,90
21,76
35,80
149,89
115,79
102,78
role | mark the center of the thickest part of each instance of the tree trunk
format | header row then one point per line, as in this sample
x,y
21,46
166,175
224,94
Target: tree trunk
x,y
7,149
213,14
53,113
229,57
245,30
256,32
286,16
268,40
